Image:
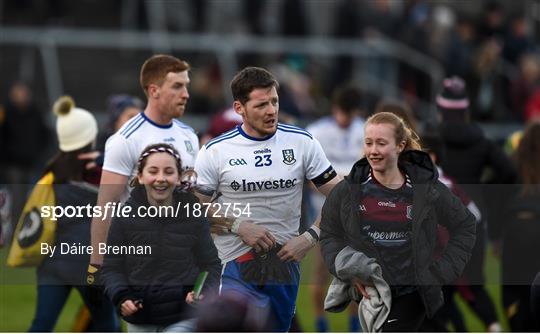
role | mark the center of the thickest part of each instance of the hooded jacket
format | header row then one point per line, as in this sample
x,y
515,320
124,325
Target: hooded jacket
x,y
468,152
433,204
181,247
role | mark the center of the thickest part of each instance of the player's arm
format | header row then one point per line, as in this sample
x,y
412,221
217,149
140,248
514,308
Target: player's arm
x,y
253,235
325,189
207,168
296,248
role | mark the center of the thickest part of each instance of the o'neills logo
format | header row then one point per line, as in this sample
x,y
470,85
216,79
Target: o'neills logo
x,y
387,204
266,150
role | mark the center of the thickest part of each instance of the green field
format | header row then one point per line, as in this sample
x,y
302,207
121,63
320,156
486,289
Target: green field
x,y
18,293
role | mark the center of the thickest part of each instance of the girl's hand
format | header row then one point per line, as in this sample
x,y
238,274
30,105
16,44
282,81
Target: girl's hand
x,y
129,307
190,298
360,287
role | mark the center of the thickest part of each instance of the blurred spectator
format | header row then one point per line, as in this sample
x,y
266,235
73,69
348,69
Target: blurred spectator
x,y
120,108
61,272
532,108
468,153
461,48
523,87
24,138
380,71
443,20
520,237
380,19
415,32
492,24
221,123
349,23
518,40
294,90
449,312
206,90
341,136
487,87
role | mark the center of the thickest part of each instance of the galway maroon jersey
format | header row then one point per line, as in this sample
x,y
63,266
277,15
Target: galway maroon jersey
x,y
387,222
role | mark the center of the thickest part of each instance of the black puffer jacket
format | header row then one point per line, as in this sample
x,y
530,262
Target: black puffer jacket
x,y
181,248
433,204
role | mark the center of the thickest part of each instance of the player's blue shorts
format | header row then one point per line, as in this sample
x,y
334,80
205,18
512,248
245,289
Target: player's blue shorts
x,y
280,299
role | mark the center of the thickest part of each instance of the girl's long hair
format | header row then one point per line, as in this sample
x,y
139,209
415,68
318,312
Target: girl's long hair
x,y
402,132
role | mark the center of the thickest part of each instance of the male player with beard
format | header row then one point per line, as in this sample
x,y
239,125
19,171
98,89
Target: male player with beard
x,y
259,168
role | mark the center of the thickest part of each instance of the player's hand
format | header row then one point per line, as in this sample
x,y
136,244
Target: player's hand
x,y
129,307
188,179
93,284
256,236
295,249
190,298
90,158
360,287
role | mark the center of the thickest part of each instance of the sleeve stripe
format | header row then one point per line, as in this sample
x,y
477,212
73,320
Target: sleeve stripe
x,y
138,126
295,131
292,127
131,123
219,139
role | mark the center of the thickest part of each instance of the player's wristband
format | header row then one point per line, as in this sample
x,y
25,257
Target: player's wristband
x,y
312,234
235,226
315,232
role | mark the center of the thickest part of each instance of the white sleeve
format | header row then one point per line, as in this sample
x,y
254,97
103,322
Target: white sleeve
x,y
195,143
207,170
119,156
315,160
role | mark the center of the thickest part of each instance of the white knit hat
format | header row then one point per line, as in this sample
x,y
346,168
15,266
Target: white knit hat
x,y
75,127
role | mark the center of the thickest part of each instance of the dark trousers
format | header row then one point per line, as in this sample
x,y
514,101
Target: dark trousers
x,y
51,300
406,315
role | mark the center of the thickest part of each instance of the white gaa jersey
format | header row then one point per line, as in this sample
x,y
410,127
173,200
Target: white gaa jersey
x,y
266,174
123,149
343,147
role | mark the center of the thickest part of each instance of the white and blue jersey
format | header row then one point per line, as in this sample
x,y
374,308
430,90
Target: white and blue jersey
x,y
123,148
342,146
266,174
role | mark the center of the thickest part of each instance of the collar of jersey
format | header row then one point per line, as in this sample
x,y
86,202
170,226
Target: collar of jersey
x,y
155,124
239,127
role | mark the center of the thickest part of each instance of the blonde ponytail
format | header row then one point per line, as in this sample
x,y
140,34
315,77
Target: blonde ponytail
x,y
401,131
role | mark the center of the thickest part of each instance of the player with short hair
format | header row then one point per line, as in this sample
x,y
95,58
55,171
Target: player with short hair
x,y
165,81
342,138
260,167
